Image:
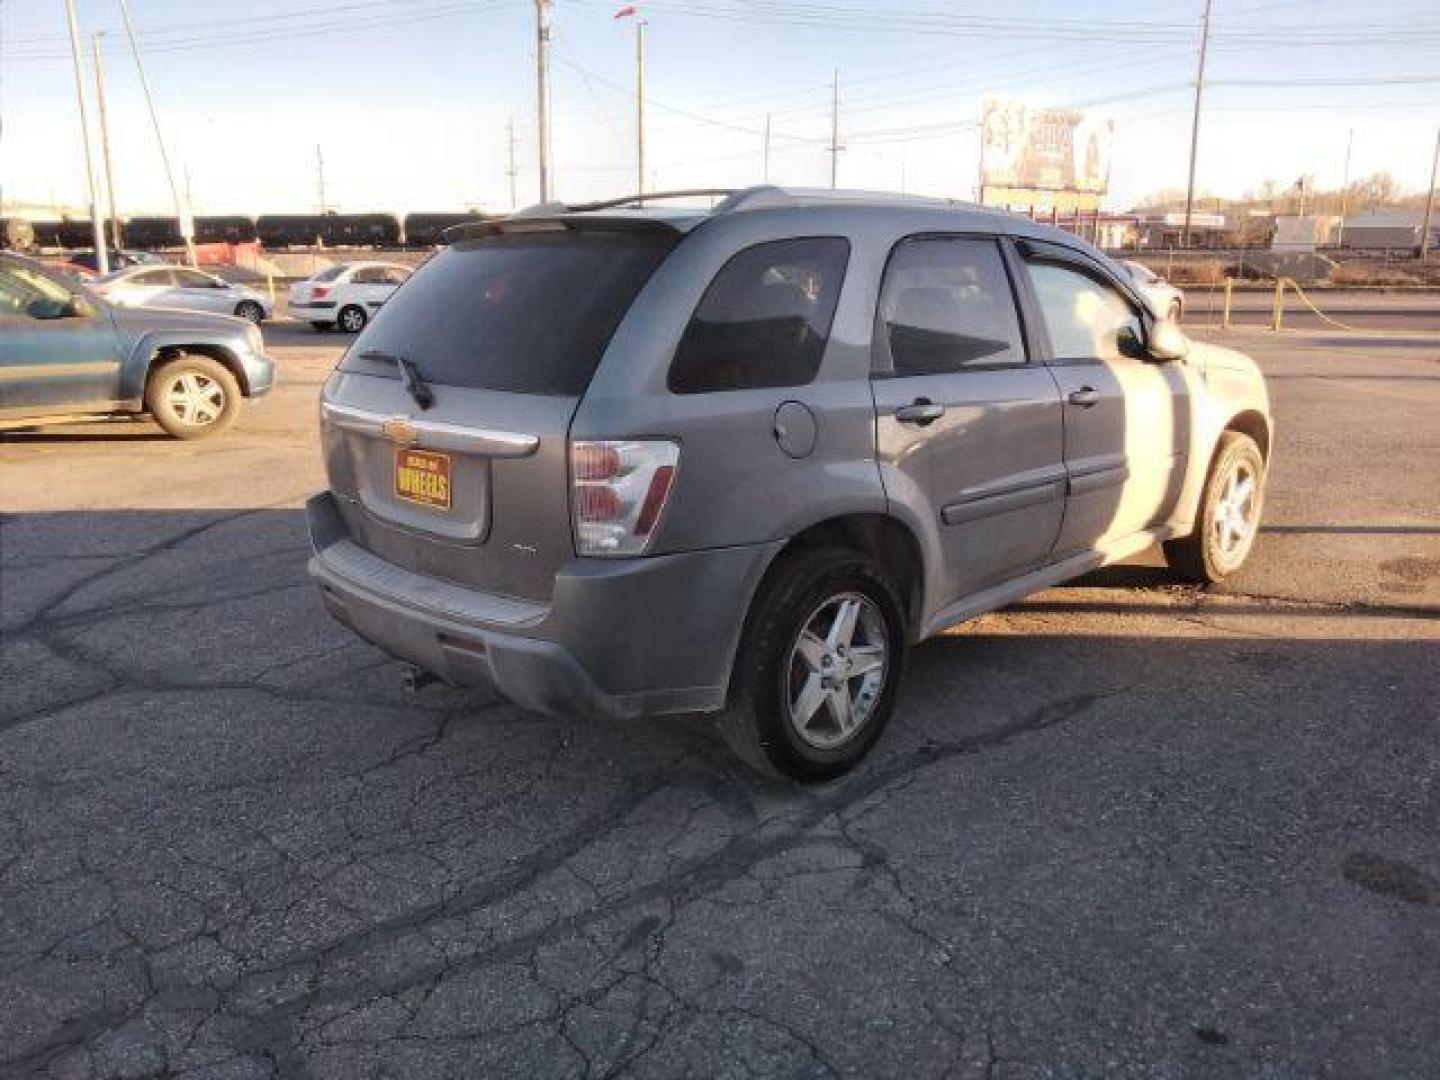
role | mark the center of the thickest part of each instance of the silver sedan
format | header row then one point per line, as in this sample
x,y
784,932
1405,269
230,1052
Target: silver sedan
x,y
181,287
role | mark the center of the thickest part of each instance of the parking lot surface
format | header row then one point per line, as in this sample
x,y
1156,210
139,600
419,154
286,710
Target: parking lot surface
x,y
1124,829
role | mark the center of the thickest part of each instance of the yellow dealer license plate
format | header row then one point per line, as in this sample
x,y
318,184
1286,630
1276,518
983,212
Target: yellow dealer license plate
x,y
423,477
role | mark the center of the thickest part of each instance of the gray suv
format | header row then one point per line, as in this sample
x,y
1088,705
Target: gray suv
x,y
614,460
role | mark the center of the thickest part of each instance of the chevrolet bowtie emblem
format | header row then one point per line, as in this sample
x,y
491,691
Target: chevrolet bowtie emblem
x,y
400,431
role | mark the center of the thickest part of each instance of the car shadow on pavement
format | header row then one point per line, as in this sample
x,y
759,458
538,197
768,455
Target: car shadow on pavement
x,y
92,433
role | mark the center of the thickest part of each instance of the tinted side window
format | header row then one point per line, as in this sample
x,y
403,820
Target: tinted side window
x,y
368,275
946,304
764,320
1086,318
154,277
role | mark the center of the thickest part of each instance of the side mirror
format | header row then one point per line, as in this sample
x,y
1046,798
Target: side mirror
x,y
1167,341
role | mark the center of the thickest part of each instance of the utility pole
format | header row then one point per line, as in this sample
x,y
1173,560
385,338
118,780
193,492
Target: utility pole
x,y
115,236
631,11
640,107
834,128
1195,126
320,176
767,148
1429,203
510,172
542,94
102,259
1345,190
182,210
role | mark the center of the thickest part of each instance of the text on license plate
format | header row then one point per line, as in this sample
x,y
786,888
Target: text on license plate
x,y
423,477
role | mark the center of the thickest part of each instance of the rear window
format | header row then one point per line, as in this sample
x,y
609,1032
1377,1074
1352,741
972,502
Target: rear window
x,y
527,314
330,273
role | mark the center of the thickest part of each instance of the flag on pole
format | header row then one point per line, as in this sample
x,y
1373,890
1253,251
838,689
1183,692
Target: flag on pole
x,y
628,9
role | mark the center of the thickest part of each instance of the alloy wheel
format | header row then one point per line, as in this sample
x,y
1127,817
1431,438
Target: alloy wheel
x,y
837,670
1234,516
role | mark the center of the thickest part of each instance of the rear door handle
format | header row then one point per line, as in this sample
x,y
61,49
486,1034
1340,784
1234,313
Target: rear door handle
x,y
1085,397
921,411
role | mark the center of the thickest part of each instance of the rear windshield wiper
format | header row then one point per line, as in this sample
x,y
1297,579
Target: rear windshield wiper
x,y
415,385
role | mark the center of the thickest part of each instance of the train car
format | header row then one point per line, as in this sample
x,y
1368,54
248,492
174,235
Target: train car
x,y
424,230
331,230
225,229
362,230
75,233
47,233
152,233
290,230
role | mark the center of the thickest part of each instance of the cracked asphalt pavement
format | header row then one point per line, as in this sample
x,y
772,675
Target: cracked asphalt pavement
x,y
1123,829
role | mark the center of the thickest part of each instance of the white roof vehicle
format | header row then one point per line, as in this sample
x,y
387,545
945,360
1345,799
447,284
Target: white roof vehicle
x,y
346,295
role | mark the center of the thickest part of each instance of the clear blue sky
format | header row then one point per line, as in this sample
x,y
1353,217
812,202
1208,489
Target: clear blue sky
x,y
409,99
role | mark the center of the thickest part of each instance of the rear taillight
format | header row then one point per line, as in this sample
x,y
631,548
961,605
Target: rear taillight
x,y
620,489
319,292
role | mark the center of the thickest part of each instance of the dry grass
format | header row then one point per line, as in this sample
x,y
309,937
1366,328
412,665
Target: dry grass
x,y
1207,272
1372,273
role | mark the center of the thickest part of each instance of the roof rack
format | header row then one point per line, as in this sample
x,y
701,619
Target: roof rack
x,y
757,197
641,198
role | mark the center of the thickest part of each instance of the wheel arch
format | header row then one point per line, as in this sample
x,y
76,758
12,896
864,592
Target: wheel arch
x,y
1253,423
882,537
165,353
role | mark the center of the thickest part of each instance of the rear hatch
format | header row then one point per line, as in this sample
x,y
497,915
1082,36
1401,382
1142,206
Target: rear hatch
x,y
504,332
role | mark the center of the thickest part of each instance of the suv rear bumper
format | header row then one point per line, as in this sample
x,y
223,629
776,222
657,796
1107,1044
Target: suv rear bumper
x,y
619,637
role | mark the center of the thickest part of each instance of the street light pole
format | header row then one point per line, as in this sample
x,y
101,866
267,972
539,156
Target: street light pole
x,y
1345,190
542,94
640,107
115,235
1429,203
767,148
102,258
834,128
510,144
1195,127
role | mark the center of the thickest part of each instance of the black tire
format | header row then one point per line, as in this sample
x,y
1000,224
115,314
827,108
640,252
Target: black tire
x,y
250,311
209,382
322,327
756,722
1202,556
351,318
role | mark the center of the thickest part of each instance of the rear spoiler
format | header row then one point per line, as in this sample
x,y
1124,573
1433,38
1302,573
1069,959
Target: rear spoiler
x,y
563,220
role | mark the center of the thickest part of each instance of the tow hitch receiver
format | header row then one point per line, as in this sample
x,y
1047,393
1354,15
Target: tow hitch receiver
x,y
415,678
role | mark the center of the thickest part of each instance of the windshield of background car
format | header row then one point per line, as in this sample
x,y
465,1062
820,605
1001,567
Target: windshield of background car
x,y
330,273
528,313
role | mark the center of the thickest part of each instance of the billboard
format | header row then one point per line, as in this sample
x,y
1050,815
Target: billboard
x,y
1043,158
